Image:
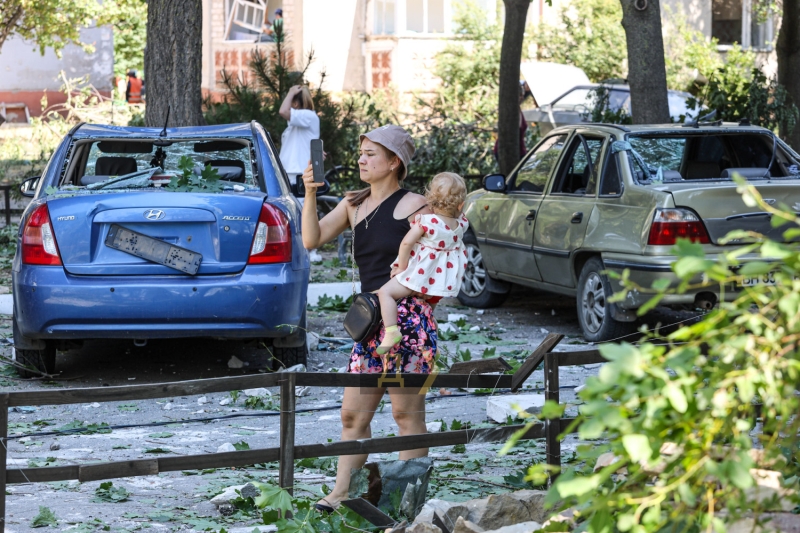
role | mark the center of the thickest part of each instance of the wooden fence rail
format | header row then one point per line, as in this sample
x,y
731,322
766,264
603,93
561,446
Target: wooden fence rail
x,y
288,451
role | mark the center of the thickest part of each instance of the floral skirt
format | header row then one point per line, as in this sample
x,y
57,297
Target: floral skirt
x,y
414,354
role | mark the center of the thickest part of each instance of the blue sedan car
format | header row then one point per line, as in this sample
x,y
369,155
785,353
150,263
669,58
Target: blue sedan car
x,y
142,233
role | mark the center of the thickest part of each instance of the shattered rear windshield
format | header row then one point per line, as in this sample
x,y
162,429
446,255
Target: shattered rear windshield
x,y
213,165
677,157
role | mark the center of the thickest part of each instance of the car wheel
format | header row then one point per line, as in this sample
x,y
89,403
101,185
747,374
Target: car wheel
x,y
474,289
41,360
292,350
594,313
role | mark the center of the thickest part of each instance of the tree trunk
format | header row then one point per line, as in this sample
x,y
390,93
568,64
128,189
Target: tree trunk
x,y
788,49
508,107
173,63
647,74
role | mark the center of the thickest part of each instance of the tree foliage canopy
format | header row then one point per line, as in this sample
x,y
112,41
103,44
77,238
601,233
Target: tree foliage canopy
x,y
129,20
589,35
48,23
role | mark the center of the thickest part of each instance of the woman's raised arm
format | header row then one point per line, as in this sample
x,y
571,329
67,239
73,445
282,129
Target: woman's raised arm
x,y
317,232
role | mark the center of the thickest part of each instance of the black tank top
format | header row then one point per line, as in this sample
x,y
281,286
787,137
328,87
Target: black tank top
x,y
376,246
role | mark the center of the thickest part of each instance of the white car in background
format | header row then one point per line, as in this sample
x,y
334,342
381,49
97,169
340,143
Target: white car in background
x,y
566,96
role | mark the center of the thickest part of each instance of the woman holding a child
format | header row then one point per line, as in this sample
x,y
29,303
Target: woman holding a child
x,y
407,248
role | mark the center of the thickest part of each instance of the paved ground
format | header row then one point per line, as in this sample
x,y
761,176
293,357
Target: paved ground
x,y
179,501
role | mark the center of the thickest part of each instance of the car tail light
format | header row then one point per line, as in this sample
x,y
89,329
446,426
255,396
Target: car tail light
x,y
272,242
669,225
38,240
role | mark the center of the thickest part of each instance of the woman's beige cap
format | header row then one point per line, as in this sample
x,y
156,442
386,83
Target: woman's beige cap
x,y
396,140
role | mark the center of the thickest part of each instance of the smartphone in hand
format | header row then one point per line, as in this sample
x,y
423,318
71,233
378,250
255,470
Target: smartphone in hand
x,y
317,160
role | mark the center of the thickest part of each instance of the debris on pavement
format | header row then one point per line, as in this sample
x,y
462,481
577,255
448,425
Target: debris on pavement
x,y
235,362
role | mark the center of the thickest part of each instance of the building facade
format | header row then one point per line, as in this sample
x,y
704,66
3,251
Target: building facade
x,y
26,75
363,45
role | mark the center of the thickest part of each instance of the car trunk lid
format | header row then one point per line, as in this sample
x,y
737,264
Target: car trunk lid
x,y
218,226
722,209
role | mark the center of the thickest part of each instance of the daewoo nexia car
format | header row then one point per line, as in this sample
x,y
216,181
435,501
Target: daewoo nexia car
x,y
142,233
595,198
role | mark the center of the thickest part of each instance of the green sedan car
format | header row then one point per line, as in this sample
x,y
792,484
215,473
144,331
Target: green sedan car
x,y
592,198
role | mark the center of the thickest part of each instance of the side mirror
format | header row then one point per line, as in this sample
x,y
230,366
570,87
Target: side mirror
x,y
28,187
494,183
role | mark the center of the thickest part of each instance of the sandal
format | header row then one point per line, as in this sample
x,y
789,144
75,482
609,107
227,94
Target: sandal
x,y
326,509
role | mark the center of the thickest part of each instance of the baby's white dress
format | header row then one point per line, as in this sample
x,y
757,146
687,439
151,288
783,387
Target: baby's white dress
x,y
438,259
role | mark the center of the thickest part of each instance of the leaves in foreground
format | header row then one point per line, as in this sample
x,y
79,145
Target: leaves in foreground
x,y
45,518
108,493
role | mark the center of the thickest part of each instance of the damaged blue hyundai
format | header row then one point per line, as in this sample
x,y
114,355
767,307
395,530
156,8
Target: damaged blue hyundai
x,y
149,233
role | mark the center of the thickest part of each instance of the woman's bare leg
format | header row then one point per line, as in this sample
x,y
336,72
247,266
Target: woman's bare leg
x,y
408,409
358,408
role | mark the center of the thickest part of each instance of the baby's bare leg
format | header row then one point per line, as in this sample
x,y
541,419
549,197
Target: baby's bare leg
x,y
388,296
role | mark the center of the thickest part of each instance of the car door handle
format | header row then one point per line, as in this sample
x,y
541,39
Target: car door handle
x,y
577,218
531,214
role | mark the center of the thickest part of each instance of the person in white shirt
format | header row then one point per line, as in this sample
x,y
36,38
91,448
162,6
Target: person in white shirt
x,y
298,109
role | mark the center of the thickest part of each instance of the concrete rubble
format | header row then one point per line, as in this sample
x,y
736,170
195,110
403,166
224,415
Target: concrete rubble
x,y
516,512
499,408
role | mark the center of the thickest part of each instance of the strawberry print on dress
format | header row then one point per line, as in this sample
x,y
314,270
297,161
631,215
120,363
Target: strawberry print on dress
x,y
439,251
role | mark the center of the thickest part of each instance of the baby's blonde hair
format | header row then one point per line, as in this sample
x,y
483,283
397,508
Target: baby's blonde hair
x,y
446,192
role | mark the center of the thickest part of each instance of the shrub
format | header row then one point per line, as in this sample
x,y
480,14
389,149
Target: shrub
x,y
589,35
738,90
688,421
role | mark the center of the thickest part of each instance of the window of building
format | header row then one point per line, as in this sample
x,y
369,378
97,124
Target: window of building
x,y
384,17
733,21
427,16
246,20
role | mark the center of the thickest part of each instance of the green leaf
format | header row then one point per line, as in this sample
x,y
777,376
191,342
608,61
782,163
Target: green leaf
x,y
687,248
637,446
651,303
577,486
686,494
660,284
46,517
755,268
161,435
774,250
553,409
108,493
791,234
688,266
157,450
739,473
676,397
273,497
241,445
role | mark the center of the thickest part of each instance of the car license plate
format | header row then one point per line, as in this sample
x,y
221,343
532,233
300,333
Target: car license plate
x,y
764,279
154,250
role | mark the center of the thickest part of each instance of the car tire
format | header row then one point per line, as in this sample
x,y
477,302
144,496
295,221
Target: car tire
x,y
594,313
475,287
297,354
41,360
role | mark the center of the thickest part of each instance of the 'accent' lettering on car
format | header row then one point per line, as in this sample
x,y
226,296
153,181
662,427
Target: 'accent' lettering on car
x,y
226,217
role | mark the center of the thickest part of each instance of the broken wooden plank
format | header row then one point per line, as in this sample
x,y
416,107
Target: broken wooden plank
x,y
141,392
438,522
96,472
480,366
534,360
368,511
583,357
204,386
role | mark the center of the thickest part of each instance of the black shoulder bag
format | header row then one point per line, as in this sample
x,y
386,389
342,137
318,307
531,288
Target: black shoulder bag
x,y
364,316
